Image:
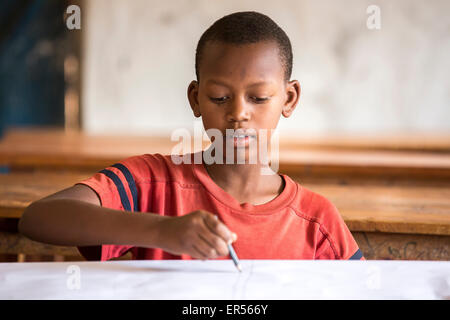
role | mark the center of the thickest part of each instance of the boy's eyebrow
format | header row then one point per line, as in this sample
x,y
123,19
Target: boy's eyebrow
x,y
213,81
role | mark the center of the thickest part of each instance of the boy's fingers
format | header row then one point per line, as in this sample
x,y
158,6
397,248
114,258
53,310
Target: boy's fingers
x,y
199,253
214,242
210,250
233,235
218,228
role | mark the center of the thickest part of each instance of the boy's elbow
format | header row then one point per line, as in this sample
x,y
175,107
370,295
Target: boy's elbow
x,y
26,224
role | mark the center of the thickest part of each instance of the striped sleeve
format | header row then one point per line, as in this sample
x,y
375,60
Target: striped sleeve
x,y
117,189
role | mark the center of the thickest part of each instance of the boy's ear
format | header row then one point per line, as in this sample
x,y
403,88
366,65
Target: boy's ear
x,y
292,97
192,93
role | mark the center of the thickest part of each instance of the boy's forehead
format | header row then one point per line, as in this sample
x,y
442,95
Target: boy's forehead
x,y
241,62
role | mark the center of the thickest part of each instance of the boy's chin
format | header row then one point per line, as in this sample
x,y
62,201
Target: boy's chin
x,y
242,155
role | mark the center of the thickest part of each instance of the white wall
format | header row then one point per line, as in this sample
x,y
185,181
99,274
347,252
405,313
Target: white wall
x,y
138,60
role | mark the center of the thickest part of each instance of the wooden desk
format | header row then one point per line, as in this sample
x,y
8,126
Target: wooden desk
x,y
389,221
419,159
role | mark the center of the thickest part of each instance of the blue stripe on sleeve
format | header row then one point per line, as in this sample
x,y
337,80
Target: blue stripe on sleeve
x,y
120,188
357,256
131,184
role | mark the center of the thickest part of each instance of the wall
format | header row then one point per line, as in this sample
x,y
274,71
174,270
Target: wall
x,y
138,60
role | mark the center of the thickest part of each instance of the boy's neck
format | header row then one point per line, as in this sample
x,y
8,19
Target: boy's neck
x,y
245,182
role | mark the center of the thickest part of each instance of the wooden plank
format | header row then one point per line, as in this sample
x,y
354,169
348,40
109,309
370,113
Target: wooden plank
x,y
435,142
65,141
401,209
55,148
321,171
18,190
402,165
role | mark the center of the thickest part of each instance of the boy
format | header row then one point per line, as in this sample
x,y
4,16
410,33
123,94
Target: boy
x,y
191,210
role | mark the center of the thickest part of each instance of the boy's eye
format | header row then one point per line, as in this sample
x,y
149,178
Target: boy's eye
x,y
259,100
218,100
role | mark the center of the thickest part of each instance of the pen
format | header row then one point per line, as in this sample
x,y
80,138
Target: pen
x,y
234,257
232,253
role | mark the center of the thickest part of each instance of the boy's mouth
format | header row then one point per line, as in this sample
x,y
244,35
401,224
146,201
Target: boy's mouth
x,y
241,139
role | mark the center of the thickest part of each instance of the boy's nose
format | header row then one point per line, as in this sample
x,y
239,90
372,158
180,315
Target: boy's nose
x,y
238,112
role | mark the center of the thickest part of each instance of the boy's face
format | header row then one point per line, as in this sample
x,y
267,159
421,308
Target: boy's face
x,y
242,87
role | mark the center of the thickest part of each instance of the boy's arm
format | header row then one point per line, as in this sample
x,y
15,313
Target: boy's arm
x,y
75,217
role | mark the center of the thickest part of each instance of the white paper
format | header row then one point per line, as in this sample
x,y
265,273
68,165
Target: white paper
x,y
219,279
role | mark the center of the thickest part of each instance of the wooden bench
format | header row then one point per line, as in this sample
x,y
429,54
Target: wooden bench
x,y
389,221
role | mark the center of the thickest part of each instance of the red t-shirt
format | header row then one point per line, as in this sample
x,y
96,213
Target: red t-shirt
x,y
297,224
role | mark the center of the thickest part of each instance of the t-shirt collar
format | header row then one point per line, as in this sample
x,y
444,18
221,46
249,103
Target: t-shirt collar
x,y
273,206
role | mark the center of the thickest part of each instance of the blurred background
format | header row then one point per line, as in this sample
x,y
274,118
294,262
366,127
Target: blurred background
x,y
127,69
84,84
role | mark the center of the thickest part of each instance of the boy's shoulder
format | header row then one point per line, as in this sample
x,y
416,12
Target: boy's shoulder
x,y
156,167
318,209
315,207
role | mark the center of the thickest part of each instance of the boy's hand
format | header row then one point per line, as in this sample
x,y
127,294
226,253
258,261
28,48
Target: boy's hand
x,y
199,234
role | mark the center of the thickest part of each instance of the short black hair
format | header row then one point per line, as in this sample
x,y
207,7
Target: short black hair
x,y
244,28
